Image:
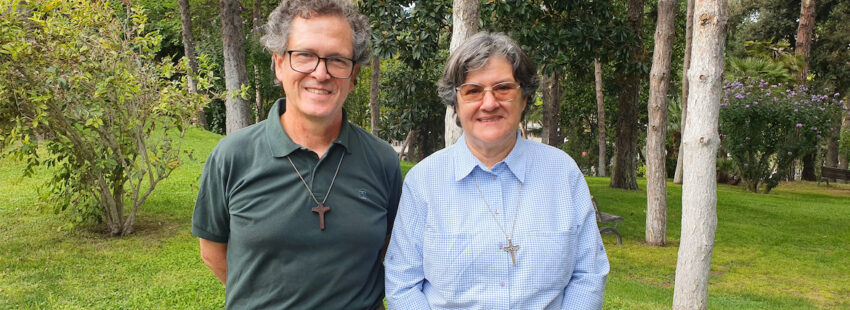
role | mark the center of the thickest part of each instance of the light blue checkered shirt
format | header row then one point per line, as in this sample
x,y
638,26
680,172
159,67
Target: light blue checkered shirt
x,y
446,248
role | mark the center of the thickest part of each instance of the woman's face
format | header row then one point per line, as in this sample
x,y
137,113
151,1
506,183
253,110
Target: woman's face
x,y
491,122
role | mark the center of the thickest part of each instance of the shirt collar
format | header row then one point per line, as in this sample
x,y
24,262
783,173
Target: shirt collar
x,y
282,145
465,162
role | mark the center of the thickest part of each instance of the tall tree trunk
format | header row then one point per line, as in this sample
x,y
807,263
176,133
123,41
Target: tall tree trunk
x,y
258,97
189,50
845,127
551,108
701,140
238,114
625,167
374,85
465,17
804,36
404,146
659,82
803,48
600,120
808,173
834,135
689,31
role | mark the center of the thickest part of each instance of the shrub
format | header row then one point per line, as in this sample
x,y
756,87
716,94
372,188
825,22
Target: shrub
x,y
88,87
764,127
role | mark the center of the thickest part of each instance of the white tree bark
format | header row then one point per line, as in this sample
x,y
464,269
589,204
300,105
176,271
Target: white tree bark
x,y
238,115
600,120
465,17
258,96
689,31
701,140
656,153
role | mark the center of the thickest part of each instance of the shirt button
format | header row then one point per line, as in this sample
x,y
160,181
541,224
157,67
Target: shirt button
x,y
494,177
500,246
497,212
502,283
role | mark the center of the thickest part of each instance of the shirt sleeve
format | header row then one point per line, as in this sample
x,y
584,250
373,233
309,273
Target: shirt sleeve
x,y
405,276
211,218
586,289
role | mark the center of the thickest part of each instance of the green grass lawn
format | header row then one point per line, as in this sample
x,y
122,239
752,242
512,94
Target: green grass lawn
x,y
785,250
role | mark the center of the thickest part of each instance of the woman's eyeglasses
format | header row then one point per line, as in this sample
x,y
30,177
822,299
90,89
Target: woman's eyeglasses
x,y
503,92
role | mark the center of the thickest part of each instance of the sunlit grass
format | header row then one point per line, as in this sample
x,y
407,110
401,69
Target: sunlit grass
x,y
784,250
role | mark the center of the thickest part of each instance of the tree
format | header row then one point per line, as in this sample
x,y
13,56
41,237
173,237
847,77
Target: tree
x,y
259,107
625,170
689,30
656,174
89,99
189,50
408,38
465,19
701,140
600,120
374,99
804,36
803,48
238,113
552,96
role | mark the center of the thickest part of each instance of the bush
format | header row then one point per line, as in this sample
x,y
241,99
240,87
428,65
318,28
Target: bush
x,y
88,87
765,127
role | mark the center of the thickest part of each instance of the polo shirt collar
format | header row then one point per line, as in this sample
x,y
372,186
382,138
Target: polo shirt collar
x,y
465,162
282,145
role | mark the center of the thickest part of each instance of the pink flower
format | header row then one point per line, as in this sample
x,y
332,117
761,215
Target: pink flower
x,y
799,125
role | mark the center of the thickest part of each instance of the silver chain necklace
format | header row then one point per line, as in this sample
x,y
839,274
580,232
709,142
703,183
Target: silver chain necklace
x,y
320,207
511,248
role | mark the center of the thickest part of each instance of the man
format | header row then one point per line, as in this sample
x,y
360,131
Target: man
x,y
295,211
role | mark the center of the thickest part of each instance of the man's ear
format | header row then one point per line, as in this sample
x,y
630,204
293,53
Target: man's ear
x,y
354,76
278,66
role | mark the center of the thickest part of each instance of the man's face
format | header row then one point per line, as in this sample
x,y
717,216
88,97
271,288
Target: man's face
x,y
316,95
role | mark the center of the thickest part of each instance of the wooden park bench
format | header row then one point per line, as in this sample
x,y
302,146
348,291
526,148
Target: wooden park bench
x,y
605,218
827,173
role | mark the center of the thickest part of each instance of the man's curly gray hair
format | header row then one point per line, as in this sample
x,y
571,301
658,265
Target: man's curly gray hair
x,y
280,20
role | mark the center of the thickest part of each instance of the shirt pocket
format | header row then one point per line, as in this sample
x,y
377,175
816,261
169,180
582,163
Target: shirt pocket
x,y
447,262
552,257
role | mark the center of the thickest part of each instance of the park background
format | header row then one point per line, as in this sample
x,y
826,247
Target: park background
x,y
781,236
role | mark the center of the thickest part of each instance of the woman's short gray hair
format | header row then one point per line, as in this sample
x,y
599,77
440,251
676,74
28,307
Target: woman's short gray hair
x,y
473,55
277,29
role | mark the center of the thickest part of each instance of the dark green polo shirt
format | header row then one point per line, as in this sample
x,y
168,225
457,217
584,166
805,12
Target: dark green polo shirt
x,y
277,258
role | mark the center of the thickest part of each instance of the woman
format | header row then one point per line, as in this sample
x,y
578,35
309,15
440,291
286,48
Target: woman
x,y
494,221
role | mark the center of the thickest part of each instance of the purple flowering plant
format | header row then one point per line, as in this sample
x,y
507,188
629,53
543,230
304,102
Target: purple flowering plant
x,y
766,126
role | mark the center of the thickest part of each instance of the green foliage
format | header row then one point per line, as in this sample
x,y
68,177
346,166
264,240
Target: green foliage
x,y
765,127
586,30
409,101
412,38
772,62
88,88
410,31
743,68
830,59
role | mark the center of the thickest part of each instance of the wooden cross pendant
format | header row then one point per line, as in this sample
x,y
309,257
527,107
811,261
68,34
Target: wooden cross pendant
x,y
511,248
321,209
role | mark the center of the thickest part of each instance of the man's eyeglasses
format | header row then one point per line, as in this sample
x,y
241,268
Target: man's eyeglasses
x,y
503,92
307,62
